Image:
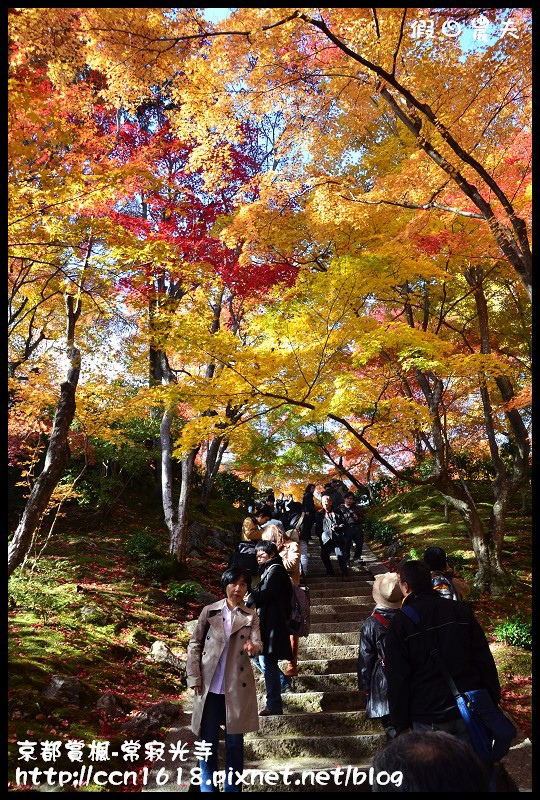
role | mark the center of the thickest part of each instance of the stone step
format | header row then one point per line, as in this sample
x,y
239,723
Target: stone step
x,y
315,692
307,653
327,666
346,589
332,637
318,575
332,614
350,611
320,723
330,627
325,682
344,593
346,749
303,686
340,587
313,702
324,581
318,572
316,681
322,605
316,567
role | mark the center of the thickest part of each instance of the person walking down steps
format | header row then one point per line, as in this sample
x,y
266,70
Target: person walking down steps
x,y
330,528
273,598
308,520
219,671
289,551
387,595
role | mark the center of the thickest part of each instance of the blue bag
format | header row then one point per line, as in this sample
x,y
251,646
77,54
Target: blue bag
x,y
490,729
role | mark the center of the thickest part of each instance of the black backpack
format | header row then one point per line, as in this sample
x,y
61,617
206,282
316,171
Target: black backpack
x,y
243,556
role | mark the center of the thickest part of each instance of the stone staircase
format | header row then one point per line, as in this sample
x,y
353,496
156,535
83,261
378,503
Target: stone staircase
x,y
322,742
323,729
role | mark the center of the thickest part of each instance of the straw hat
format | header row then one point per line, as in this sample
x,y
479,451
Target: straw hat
x,y
386,590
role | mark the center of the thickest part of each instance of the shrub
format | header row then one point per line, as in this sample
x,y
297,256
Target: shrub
x,y
183,592
515,632
414,555
152,563
456,561
143,545
154,569
230,487
381,532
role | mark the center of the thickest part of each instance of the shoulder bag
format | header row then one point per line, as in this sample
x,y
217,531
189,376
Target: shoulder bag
x,y
490,730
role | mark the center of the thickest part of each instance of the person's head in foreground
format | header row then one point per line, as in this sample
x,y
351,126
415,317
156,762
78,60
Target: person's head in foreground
x,y
236,583
435,557
428,761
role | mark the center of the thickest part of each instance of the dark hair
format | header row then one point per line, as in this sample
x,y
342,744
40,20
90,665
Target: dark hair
x,y
417,574
268,547
435,557
349,494
326,494
309,487
429,761
265,511
233,574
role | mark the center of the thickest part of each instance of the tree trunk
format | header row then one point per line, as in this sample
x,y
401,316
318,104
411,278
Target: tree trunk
x,y
55,462
179,538
343,471
58,450
214,455
176,521
490,572
446,511
166,473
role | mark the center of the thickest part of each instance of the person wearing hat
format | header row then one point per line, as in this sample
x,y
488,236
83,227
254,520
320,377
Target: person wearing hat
x,y
387,595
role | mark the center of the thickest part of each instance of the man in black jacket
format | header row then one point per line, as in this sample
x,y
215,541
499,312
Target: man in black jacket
x,y
418,695
330,528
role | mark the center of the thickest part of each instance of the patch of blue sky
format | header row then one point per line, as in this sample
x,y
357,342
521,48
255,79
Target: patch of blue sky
x,y
216,14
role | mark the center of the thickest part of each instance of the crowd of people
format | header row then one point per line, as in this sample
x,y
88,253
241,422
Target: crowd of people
x,y
337,522
397,673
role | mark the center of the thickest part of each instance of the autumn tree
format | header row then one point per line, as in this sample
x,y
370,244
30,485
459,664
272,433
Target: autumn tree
x,y
434,194
323,66
412,381
180,272
53,253
393,203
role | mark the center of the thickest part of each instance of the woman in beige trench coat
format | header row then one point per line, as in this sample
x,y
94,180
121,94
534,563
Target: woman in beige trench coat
x,y
220,673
